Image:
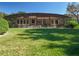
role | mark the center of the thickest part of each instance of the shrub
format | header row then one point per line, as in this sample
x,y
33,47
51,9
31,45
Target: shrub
x,y
3,26
76,27
72,23
69,26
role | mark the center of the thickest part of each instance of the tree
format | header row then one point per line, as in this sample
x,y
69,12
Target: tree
x,y
73,9
20,12
2,15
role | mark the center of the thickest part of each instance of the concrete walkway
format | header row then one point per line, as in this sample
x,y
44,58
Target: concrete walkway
x,y
3,34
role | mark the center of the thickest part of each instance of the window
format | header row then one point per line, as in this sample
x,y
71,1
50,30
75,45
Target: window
x,y
33,21
52,21
17,21
56,21
27,21
21,21
38,21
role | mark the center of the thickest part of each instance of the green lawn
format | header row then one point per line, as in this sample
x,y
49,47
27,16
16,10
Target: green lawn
x,y
40,42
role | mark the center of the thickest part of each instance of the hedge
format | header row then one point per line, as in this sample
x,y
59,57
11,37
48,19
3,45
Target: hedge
x,y
3,25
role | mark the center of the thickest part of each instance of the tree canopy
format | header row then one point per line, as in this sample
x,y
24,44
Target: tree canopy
x,y
73,9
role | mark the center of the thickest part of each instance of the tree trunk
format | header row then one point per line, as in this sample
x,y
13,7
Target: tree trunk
x,y
77,19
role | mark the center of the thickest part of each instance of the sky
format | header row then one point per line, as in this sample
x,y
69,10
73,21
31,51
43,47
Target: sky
x,y
34,7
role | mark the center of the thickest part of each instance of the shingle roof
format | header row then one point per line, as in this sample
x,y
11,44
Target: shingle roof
x,y
37,14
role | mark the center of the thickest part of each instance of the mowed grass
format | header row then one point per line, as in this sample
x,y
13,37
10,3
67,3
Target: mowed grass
x,y
40,42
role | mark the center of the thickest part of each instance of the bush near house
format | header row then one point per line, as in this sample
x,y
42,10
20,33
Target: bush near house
x,y
72,23
3,25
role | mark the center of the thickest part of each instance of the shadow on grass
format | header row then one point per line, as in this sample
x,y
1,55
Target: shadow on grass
x,y
35,34
69,50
